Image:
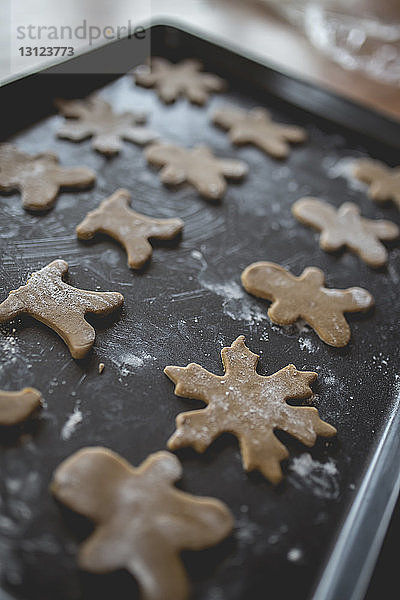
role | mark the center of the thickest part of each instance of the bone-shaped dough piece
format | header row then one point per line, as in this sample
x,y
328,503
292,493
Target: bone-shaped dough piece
x,y
384,181
248,405
38,178
94,117
306,297
345,227
133,230
141,520
198,166
173,80
47,298
16,407
256,127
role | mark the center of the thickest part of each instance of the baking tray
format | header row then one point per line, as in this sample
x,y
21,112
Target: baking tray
x,y
317,534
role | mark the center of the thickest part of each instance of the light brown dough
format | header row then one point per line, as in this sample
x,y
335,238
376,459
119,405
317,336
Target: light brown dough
x,y
47,298
384,181
133,230
173,80
141,520
307,298
94,117
38,178
16,407
345,227
248,405
256,127
197,166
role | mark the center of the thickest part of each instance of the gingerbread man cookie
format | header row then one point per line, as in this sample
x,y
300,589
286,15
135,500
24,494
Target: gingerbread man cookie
x,y
256,127
345,227
38,178
197,166
47,298
307,298
384,181
16,407
248,405
95,118
173,80
141,520
133,230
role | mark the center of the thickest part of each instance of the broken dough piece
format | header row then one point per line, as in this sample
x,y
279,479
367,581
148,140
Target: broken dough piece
x,y
95,118
384,181
16,407
141,520
307,298
256,127
173,80
198,166
248,405
345,227
133,230
47,298
38,178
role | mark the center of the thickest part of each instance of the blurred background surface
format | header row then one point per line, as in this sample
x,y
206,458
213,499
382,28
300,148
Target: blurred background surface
x,y
349,46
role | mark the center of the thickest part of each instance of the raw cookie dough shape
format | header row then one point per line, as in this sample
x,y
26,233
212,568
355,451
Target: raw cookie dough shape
x,y
256,127
345,227
307,298
248,405
173,80
141,520
95,118
198,166
384,181
38,178
47,298
133,230
16,407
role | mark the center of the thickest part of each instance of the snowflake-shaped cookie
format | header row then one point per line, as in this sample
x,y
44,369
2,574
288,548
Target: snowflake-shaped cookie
x,y
95,118
248,405
173,80
256,127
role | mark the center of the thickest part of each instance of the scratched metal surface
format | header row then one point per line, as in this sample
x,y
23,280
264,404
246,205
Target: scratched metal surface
x,y
185,306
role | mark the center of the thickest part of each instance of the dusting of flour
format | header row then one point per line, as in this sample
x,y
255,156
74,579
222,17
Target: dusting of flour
x,y
71,424
320,478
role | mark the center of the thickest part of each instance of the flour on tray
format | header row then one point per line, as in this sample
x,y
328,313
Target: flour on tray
x,y
320,478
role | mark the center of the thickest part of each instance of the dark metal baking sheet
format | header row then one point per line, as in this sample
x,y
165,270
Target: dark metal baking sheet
x,y
185,306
